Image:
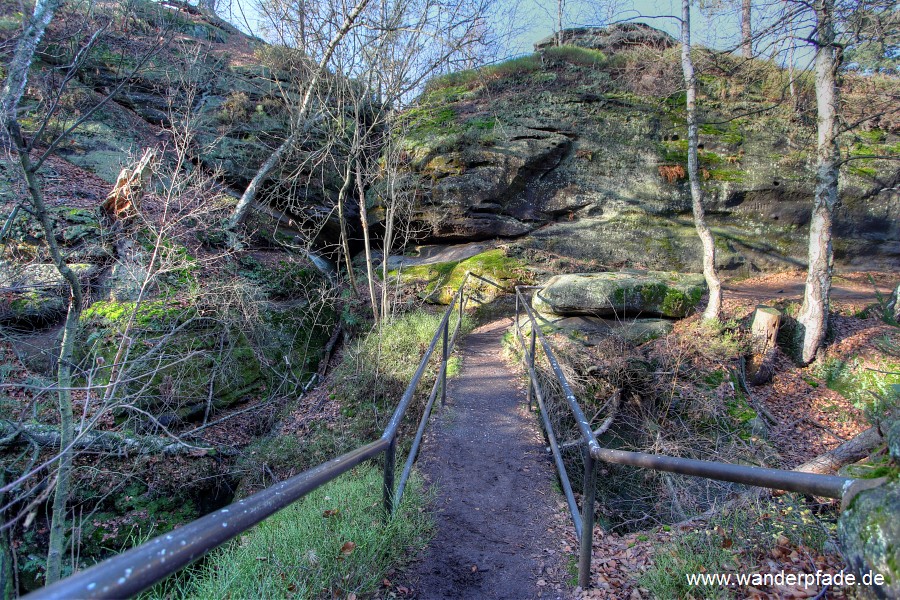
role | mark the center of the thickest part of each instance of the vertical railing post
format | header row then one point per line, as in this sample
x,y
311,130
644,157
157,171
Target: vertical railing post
x,y
445,358
587,520
390,459
531,383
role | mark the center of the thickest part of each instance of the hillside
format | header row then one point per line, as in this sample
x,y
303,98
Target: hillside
x,y
581,153
209,362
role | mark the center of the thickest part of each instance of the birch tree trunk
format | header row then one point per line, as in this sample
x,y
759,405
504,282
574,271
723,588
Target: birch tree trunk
x,y
560,8
300,127
342,217
714,307
813,315
17,71
367,242
13,89
746,29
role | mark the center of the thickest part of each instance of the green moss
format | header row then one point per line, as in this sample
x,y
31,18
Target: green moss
x,y
873,136
676,301
441,280
733,175
155,314
863,171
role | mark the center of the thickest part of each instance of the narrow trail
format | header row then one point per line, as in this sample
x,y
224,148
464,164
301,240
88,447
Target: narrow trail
x,y
495,494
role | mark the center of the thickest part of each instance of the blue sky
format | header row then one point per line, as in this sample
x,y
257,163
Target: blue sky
x,y
717,27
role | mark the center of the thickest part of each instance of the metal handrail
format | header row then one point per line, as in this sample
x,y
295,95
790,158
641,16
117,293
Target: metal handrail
x,y
810,483
137,569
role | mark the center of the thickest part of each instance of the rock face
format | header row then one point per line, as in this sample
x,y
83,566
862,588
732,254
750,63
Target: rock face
x,y
621,294
621,36
582,154
495,191
36,294
869,531
592,330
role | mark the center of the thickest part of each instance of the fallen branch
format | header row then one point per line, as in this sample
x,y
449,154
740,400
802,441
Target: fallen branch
x,y
847,453
824,428
329,349
614,402
47,436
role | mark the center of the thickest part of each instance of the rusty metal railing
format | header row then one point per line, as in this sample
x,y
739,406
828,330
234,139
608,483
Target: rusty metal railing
x,y
137,569
829,486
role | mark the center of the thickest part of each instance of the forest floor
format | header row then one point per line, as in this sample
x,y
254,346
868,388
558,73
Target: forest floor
x,y
496,499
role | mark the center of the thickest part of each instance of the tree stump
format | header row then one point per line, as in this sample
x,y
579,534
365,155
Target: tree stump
x,y
764,332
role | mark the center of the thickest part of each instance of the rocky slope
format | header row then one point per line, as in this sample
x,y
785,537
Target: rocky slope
x,y
582,153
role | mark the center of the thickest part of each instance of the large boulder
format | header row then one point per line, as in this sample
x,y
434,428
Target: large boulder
x,y
581,152
622,294
621,36
36,294
492,191
869,534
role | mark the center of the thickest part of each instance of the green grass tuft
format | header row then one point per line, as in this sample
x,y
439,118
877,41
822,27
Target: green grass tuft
x,y
332,543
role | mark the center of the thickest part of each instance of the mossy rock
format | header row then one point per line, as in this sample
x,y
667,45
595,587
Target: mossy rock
x,y
622,294
36,294
869,534
592,330
441,280
175,365
892,435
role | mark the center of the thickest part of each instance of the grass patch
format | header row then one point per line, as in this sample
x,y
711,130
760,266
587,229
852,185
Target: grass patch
x,y
694,552
872,389
470,78
735,540
576,55
332,543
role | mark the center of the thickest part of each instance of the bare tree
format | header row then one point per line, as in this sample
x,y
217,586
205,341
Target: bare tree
x,y
814,311
714,306
17,70
301,122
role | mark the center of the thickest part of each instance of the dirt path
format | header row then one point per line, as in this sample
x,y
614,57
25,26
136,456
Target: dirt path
x,y
854,288
495,495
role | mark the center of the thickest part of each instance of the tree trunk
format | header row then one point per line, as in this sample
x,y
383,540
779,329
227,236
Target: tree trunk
x,y
7,577
17,71
64,368
847,453
746,29
813,315
345,240
560,8
48,436
792,85
249,196
764,333
714,306
367,243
